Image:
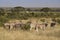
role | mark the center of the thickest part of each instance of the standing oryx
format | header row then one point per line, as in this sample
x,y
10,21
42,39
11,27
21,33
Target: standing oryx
x,y
53,24
9,25
37,26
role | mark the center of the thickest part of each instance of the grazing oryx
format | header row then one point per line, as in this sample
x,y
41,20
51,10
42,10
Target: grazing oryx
x,y
42,26
9,25
37,26
46,24
52,24
18,24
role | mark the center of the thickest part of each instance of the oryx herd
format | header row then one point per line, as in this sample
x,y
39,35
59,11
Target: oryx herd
x,y
35,25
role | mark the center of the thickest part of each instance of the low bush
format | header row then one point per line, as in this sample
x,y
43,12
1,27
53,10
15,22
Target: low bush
x,y
26,26
3,20
58,21
43,20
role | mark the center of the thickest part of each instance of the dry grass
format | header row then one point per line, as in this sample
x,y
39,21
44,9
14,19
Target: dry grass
x,y
48,34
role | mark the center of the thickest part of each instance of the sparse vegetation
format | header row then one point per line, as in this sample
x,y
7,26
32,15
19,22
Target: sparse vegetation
x,y
21,14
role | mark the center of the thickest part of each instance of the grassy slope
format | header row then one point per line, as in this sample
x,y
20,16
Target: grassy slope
x,y
48,34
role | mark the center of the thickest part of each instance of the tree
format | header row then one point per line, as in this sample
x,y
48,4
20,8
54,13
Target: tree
x,y
28,9
15,12
17,9
45,9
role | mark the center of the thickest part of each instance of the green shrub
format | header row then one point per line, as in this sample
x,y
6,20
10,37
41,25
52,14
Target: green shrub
x,y
3,20
43,20
53,19
58,21
26,26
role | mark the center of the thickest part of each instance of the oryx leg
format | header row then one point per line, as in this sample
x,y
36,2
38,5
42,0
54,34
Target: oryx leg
x,y
43,27
36,29
11,27
32,26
